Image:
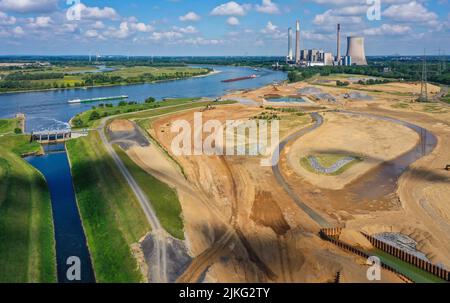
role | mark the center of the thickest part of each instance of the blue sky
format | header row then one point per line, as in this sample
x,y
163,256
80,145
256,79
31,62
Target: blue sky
x,y
217,27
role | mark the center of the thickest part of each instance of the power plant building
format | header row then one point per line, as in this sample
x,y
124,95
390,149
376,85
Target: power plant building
x,y
316,57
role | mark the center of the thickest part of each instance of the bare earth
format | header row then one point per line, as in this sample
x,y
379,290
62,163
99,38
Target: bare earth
x,y
241,226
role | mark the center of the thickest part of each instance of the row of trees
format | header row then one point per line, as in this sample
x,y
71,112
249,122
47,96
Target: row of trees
x,y
20,76
105,78
408,71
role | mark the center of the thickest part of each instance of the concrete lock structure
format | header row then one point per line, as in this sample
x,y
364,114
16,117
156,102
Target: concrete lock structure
x,y
355,50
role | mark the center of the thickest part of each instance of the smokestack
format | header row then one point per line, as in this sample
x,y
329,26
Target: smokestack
x,y
297,43
338,56
355,50
290,51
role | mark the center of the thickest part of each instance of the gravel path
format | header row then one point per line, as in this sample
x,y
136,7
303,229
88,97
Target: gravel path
x,y
333,168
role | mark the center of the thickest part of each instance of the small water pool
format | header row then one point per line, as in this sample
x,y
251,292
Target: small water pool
x,y
286,99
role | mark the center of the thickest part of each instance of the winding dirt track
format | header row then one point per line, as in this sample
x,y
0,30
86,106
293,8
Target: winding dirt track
x,y
318,121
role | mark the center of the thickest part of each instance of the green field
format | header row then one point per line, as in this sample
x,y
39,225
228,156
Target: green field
x,y
327,160
111,215
27,247
163,198
85,120
8,125
446,98
60,77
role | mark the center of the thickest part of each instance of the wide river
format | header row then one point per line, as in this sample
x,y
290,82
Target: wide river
x,y
49,109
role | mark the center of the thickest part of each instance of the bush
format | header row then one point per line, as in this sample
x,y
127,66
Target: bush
x,y
150,100
77,122
94,116
17,131
340,83
123,103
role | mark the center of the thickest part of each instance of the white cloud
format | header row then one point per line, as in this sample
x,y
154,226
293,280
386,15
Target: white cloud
x,y
96,13
7,20
272,31
410,12
127,29
169,35
268,7
40,22
332,17
233,21
191,16
29,6
202,41
389,30
186,30
98,25
18,31
230,9
92,33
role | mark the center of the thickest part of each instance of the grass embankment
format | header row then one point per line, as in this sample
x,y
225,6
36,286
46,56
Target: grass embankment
x,y
8,125
27,247
163,198
327,160
414,273
111,215
87,119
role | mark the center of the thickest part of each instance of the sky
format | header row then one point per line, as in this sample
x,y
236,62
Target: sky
x,y
219,27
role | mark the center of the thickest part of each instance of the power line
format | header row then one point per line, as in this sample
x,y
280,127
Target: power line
x,y
424,85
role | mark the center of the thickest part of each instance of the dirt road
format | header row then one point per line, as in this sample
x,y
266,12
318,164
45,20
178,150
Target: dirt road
x,y
159,271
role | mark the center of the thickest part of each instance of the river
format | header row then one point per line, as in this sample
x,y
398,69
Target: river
x,y
49,109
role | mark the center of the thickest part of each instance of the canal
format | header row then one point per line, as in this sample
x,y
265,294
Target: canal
x,y
69,234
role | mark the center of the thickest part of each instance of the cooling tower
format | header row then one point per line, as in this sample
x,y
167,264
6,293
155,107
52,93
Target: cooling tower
x,y
355,49
297,43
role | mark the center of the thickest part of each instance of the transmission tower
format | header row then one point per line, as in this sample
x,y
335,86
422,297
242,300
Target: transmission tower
x,y
424,85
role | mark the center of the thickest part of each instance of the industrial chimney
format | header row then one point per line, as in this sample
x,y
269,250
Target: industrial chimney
x,y
338,53
355,50
290,51
297,43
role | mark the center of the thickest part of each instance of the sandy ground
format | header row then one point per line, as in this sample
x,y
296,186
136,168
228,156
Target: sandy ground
x,y
373,140
240,226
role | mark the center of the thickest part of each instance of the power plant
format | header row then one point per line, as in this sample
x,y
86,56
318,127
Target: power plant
x,y
316,57
355,50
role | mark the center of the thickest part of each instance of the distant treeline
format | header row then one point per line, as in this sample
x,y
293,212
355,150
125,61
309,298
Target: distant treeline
x,y
33,76
105,78
438,72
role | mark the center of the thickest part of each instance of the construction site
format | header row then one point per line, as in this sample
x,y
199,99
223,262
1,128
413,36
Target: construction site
x,y
361,173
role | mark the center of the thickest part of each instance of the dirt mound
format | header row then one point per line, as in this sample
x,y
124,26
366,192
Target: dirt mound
x,y
121,125
266,212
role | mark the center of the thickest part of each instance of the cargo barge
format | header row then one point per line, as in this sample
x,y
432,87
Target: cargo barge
x,y
239,79
98,99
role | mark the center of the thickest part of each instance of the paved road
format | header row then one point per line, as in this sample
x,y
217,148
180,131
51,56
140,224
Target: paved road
x,y
318,121
159,270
